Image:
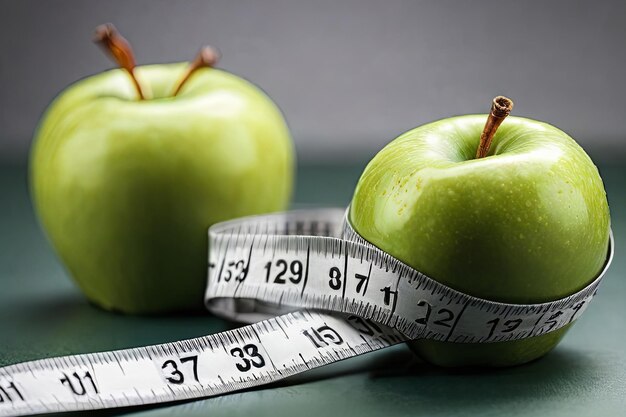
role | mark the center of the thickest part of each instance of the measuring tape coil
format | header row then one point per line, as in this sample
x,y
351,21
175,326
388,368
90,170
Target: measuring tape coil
x,y
316,292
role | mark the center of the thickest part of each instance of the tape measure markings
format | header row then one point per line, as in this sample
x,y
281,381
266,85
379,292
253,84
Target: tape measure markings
x,y
396,277
252,355
324,297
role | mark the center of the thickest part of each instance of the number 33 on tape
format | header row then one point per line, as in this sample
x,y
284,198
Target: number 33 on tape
x,y
316,292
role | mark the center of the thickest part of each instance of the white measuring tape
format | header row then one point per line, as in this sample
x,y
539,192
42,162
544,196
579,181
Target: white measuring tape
x,y
323,294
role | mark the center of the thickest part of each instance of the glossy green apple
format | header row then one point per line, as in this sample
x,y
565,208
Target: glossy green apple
x,y
529,223
126,188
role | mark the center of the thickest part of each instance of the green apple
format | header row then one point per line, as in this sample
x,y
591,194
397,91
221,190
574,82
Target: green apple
x,y
126,188
529,223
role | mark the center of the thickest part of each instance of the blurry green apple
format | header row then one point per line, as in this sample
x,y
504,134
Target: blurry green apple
x,y
127,175
528,223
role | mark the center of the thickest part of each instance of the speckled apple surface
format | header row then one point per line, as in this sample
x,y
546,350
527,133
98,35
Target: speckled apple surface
x,y
529,223
42,314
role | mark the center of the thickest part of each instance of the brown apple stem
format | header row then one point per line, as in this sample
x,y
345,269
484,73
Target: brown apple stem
x,y
500,108
120,50
207,57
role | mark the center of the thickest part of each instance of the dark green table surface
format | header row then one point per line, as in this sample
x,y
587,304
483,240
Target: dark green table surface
x,y
43,314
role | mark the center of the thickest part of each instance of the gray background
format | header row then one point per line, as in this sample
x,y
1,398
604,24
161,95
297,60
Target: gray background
x,y
349,75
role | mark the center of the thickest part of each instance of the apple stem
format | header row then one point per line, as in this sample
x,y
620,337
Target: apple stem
x,y
206,57
108,37
500,108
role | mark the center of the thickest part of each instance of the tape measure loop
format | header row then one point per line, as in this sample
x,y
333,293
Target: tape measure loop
x,y
341,272
316,292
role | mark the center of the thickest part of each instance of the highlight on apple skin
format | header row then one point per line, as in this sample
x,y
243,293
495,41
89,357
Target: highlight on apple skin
x,y
526,223
131,166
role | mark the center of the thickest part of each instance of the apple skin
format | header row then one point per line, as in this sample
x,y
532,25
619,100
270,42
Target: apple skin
x,y
126,189
529,223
